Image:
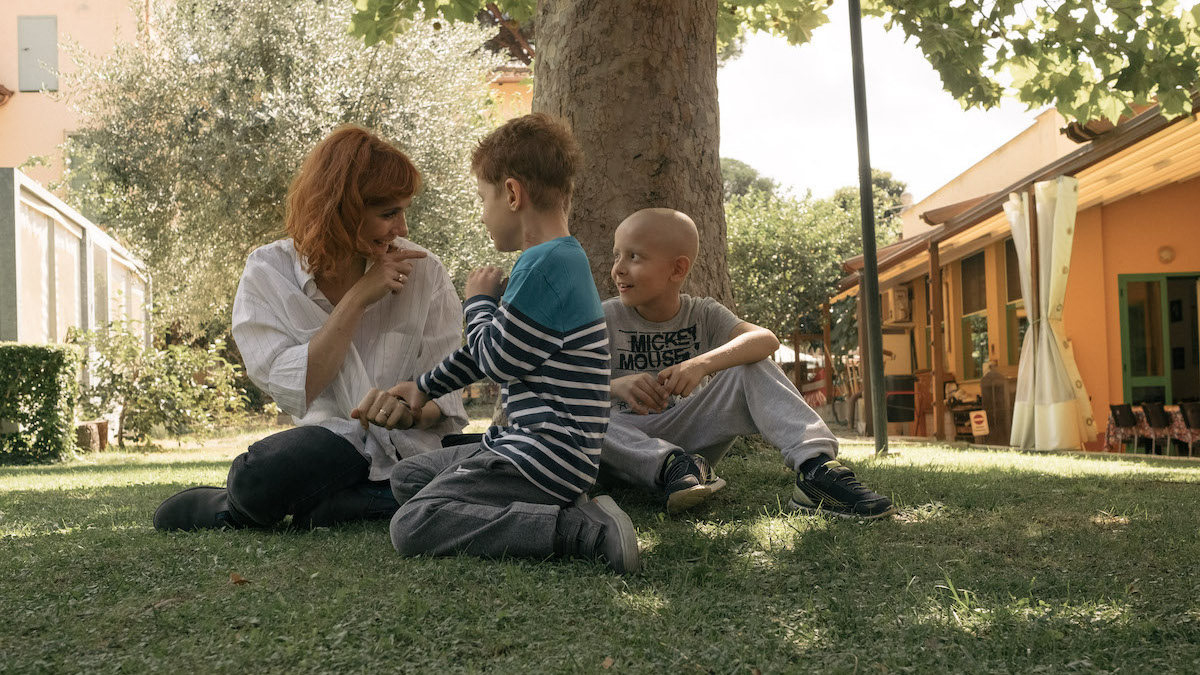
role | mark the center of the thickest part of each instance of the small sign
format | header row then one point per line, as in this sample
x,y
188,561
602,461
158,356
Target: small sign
x,y
979,423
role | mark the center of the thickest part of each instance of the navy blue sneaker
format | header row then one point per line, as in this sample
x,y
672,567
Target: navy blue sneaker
x,y
689,480
832,489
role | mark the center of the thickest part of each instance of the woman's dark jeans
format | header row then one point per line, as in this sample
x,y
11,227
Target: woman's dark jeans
x,y
309,472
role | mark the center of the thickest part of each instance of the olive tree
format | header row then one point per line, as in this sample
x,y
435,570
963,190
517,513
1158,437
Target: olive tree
x,y
191,133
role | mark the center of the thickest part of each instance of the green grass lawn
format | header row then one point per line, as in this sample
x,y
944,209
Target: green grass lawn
x,y
999,562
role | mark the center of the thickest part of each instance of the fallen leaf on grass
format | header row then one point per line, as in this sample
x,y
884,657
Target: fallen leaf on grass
x,y
237,579
608,663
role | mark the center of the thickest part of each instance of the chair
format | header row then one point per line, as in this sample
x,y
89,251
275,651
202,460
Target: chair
x,y
1159,424
1191,419
1123,424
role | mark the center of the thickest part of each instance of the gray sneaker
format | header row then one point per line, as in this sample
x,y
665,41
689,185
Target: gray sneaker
x,y
599,530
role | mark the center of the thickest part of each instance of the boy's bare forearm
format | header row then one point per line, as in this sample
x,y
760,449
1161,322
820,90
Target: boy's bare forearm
x,y
749,347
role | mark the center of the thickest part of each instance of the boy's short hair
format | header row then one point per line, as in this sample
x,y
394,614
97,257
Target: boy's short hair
x,y
539,151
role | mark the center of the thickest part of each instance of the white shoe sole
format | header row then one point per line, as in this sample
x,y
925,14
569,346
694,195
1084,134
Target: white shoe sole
x,y
683,500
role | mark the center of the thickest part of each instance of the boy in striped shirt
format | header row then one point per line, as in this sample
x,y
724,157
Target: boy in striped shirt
x,y
541,334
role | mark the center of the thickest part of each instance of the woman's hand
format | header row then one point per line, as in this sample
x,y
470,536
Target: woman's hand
x,y
397,408
641,392
388,274
384,409
487,281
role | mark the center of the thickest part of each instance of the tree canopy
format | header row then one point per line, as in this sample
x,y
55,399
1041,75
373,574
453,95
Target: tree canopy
x,y
739,178
190,136
1088,59
786,251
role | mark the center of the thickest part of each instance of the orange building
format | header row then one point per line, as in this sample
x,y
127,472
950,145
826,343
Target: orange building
x,y
34,120
1129,319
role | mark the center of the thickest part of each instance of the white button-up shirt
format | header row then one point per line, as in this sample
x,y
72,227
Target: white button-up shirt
x,y
277,311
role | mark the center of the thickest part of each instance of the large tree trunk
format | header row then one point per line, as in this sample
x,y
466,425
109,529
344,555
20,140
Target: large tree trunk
x,y
637,81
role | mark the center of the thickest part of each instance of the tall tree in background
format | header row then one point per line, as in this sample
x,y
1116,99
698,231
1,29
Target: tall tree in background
x,y
786,252
739,178
637,80
887,195
190,135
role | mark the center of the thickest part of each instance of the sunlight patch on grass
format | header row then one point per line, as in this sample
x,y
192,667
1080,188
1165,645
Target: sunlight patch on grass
x,y
921,513
645,600
1109,520
208,473
947,459
775,532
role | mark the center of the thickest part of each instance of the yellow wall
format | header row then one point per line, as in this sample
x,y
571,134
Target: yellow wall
x,y
1037,146
1116,239
32,123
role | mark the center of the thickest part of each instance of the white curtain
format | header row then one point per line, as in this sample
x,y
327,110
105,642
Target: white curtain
x,y
1052,410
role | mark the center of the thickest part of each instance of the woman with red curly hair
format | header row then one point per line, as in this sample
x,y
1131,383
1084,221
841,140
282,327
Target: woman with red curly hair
x,y
343,305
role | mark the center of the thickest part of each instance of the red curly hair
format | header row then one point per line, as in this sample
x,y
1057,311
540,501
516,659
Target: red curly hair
x,y
350,171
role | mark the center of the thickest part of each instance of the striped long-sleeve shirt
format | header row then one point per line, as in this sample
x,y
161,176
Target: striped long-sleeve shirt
x,y
546,343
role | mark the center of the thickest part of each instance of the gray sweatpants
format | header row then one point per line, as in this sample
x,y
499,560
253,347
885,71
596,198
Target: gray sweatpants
x,y
750,399
470,500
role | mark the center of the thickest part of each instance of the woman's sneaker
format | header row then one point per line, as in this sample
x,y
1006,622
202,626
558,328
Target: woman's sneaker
x,y
688,480
198,508
832,488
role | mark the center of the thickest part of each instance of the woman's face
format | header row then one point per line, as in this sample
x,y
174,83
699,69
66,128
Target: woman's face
x,y
383,223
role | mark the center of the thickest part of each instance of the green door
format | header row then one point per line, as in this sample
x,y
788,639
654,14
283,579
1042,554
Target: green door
x,y
1144,340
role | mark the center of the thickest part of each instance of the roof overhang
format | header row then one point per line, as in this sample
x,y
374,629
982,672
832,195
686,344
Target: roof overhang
x,y
1142,154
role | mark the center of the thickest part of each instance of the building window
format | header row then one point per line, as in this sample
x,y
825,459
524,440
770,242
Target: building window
x,y
37,53
974,316
1016,319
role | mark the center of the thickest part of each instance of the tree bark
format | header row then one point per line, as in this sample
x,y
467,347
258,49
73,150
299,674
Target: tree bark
x,y
637,82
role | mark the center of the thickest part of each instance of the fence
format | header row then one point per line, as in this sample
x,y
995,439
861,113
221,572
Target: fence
x,y
58,270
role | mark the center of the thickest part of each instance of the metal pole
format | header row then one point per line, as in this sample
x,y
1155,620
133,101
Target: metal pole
x,y
870,280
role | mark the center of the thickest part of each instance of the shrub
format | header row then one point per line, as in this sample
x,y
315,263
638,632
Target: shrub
x,y
184,388
37,402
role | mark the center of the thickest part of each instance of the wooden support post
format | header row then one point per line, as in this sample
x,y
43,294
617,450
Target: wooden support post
x,y
938,347
1034,313
828,353
862,360
797,377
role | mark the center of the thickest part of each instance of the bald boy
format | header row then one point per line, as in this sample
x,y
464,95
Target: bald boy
x,y
689,377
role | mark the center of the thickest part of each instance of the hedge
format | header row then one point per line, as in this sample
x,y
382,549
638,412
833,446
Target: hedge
x,y
39,385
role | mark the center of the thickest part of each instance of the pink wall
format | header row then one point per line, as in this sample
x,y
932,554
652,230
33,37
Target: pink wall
x,y
33,123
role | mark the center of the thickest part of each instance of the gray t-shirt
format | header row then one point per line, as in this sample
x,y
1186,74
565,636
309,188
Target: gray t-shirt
x,y
641,346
